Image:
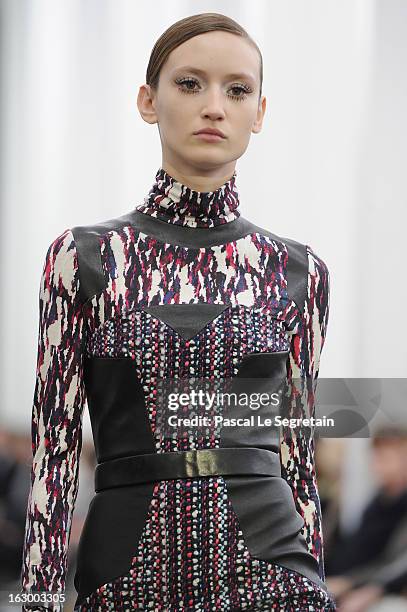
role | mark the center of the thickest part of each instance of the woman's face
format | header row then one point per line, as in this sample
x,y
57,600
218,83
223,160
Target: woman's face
x,y
211,80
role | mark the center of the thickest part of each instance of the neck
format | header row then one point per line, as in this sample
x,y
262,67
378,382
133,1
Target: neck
x,y
175,202
202,180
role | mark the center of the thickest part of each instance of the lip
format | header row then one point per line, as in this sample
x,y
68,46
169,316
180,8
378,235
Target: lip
x,y
211,132
209,137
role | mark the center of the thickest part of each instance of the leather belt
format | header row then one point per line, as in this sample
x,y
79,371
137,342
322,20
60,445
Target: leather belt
x,y
136,469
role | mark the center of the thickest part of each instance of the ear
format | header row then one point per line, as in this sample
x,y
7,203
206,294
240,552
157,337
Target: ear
x,y
257,125
146,104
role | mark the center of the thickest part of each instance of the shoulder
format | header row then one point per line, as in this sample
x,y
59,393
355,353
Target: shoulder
x,y
295,252
61,244
61,254
318,287
300,254
73,259
317,266
100,228
306,272
60,274
87,240
295,258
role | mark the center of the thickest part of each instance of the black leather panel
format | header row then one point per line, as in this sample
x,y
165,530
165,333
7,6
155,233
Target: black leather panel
x,y
120,427
192,237
110,536
92,280
117,409
264,364
186,319
270,523
258,373
186,464
265,507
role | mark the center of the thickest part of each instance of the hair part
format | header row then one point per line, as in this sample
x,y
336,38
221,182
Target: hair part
x,y
184,29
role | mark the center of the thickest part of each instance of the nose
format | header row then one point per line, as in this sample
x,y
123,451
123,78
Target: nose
x,y
213,106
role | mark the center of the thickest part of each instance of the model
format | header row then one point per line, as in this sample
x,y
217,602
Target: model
x,y
189,512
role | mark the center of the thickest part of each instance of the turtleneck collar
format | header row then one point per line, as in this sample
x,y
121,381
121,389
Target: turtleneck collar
x,y
173,202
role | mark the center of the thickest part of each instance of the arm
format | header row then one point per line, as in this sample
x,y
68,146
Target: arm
x,y
297,445
56,421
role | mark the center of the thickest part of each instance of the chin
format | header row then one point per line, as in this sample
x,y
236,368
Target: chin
x,y
208,158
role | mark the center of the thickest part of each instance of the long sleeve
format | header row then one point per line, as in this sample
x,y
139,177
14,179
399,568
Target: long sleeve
x,y
297,446
56,421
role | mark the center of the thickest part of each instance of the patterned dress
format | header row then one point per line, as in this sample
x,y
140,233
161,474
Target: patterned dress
x,y
182,288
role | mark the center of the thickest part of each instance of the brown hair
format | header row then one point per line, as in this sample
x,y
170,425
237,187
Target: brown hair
x,y
388,433
187,28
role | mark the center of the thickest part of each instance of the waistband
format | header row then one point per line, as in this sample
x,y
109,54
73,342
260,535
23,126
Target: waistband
x,y
149,467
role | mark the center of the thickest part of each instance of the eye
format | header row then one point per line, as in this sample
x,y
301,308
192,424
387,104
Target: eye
x,y
244,89
187,86
187,82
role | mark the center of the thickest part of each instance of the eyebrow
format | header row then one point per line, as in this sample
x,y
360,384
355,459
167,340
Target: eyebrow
x,y
233,75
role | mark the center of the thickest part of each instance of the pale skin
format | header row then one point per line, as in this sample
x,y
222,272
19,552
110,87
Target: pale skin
x,y
187,101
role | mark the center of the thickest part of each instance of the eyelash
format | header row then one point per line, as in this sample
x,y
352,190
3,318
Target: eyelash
x,y
193,91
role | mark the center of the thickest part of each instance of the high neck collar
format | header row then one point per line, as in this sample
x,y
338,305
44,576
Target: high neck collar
x,y
173,202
